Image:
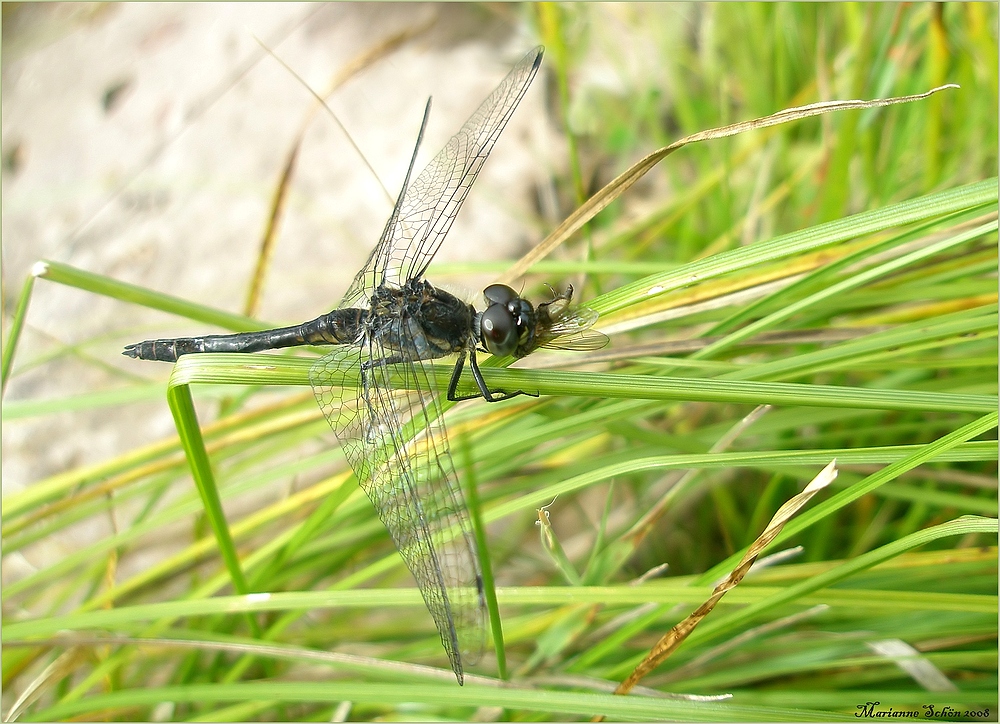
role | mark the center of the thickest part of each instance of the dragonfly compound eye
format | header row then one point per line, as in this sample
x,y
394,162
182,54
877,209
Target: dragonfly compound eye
x,y
499,294
499,330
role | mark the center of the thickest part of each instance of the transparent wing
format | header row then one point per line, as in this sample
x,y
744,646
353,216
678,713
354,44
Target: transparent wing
x,y
562,325
395,439
428,207
586,340
571,320
571,330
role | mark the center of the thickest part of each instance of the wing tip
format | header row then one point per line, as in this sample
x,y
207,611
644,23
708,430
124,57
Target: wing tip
x,y
539,51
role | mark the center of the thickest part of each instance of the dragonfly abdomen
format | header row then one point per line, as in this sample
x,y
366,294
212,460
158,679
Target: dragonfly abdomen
x,y
341,326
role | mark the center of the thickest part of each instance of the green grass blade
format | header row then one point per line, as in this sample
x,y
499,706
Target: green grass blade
x,y
274,370
853,282
485,561
914,211
186,420
14,332
108,287
544,702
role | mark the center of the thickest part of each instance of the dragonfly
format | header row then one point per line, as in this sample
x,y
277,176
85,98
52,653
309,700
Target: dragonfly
x,y
391,322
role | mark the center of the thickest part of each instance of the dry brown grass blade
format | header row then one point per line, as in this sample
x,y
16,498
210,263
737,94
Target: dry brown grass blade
x,y
252,303
675,637
697,663
603,198
352,68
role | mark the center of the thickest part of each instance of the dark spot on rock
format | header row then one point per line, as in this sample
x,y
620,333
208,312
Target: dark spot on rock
x,y
13,157
113,95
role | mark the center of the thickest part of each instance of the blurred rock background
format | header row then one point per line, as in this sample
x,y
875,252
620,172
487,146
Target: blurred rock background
x,y
145,142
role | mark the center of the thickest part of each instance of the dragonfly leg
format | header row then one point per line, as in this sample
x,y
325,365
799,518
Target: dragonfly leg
x,y
484,391
456,376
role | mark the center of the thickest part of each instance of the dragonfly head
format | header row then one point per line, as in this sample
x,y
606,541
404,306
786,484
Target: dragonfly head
x,y
507,325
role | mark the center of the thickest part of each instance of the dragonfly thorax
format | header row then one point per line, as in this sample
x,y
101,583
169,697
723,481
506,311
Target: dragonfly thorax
x,y
419,321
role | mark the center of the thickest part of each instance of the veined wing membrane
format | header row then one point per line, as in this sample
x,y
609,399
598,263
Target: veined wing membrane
x,y
395,439
431,202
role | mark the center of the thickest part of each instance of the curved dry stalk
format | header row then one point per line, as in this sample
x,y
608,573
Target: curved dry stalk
x,y
603,198
675,637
